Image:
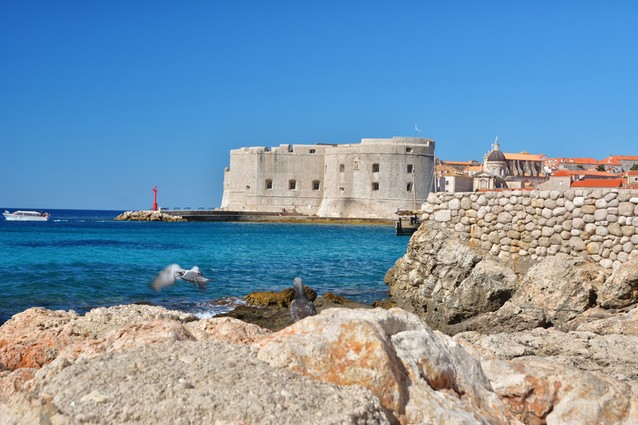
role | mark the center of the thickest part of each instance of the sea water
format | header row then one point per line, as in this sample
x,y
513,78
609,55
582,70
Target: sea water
x,y
80,260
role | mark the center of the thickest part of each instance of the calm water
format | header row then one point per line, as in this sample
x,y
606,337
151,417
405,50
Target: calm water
x,y
83,259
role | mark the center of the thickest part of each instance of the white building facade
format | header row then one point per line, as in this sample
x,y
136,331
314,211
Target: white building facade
x,y
371,179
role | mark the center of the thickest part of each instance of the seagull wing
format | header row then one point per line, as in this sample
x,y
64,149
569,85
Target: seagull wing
x,y
194,275
167,277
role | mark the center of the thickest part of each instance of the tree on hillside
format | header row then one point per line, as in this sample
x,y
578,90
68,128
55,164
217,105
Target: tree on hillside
x,y
600,167
634,167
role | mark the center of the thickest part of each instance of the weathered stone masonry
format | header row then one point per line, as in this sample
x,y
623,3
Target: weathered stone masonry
x,y
601,224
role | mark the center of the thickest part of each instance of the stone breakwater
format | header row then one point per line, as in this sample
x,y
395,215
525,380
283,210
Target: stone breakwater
x,y
599,224
147,216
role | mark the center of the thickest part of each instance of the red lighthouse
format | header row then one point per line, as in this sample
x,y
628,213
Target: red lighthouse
x,y
154,198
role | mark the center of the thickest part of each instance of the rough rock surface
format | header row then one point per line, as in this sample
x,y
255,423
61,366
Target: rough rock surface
x,y
458,287
147,216
192,382
147,365
282,298
275,315
610,353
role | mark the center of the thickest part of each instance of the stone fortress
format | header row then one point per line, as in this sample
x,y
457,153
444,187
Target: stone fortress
x,y
371,179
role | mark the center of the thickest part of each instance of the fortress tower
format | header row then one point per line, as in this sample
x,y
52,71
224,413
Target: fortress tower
x,y
371,179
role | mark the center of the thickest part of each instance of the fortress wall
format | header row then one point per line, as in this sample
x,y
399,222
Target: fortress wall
x,y
600,224
371,179
245,182
350,176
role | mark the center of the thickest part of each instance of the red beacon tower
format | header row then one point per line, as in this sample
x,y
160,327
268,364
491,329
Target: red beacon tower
x,y
154,198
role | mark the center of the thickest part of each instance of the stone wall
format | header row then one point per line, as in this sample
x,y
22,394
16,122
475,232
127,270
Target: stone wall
x,y
600,224
371,179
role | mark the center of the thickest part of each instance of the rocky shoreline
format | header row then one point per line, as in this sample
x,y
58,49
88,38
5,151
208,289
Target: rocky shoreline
x,y
476,339
147,216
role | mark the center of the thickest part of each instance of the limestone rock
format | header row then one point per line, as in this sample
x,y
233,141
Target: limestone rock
x,y
420,375
282,298
621,288
186,382
147,216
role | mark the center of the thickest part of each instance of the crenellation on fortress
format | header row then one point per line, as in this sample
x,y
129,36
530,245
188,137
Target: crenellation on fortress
x,y
371,179
601,224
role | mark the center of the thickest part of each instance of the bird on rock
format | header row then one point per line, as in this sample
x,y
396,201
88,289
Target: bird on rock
x,y
301,306
173,272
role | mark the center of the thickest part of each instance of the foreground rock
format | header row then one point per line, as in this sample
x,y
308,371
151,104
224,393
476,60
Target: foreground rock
x,y
147,216
148,365
458,287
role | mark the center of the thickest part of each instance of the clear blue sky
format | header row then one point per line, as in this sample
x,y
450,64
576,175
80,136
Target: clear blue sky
x,y
101,100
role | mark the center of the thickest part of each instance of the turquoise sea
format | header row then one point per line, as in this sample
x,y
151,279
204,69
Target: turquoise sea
x,y
83,259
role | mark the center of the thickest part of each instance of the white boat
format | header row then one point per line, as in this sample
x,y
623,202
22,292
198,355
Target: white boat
x,y
26,216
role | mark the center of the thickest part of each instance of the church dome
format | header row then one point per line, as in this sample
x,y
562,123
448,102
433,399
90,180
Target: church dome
x,y
496,155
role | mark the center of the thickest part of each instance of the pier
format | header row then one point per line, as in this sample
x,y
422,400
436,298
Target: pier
x,y
274,217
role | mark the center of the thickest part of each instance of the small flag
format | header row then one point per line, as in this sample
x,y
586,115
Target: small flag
x,y
416,128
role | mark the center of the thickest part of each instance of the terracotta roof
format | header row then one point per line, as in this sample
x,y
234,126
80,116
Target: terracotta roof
x,y
633,185
475,168
591,173
468,163
598,183
630,173
562,173
624,158
524,156
590,161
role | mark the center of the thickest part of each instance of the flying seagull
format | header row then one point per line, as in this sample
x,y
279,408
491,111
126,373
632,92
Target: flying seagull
x,y
170,274
301,306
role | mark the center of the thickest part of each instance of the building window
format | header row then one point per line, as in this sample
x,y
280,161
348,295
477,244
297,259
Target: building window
x,y
410,168
292,184
342,168
408,149
375,186
355,165
313,150
375,168
341,188
409,187
247,187
268,184
315,185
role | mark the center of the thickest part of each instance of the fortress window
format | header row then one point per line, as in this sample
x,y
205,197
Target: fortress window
x,y
408,149
268,184
375,186
375,168
341,188
292,184
315,185
342,168
313,150
355,165
247,187
410,168
409,187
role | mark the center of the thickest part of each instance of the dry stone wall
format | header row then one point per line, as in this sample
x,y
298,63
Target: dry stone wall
x,y
600,224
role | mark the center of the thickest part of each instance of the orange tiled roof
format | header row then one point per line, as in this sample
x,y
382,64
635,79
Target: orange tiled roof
x,y
468,163
590,161
598,183
563,172
624,158
524,156
630,173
